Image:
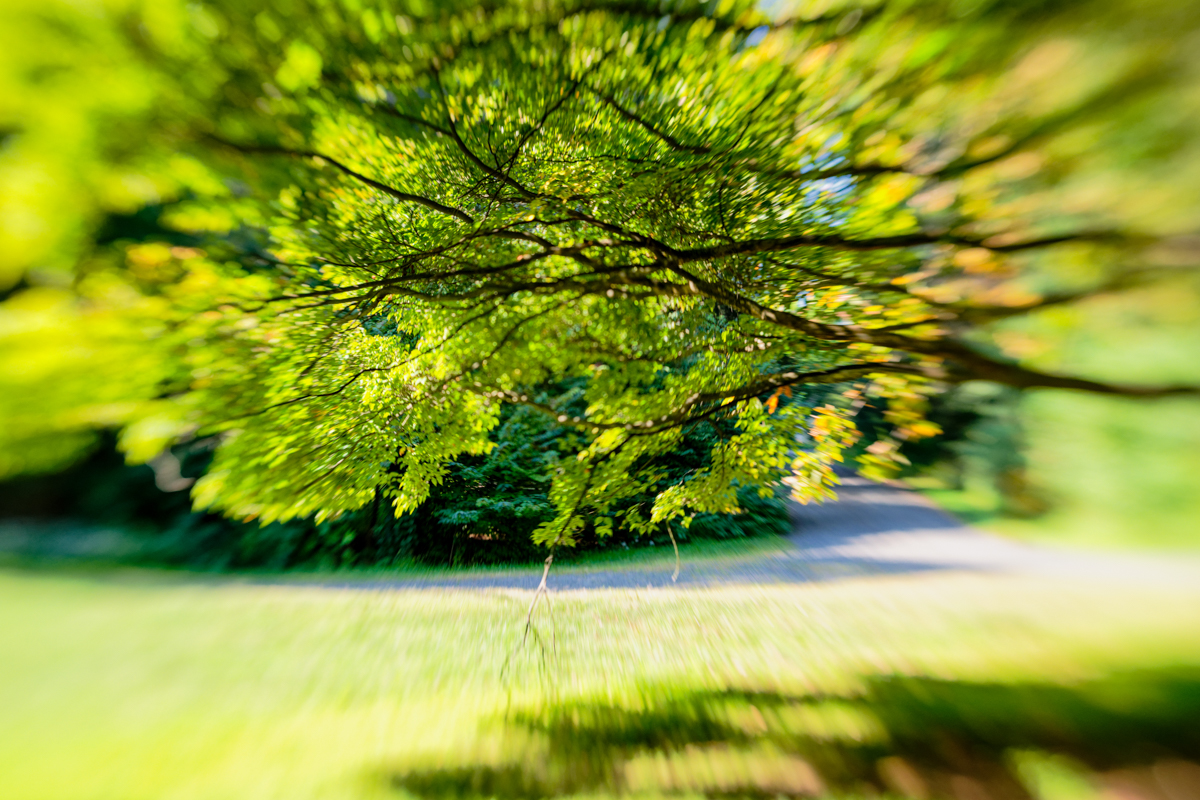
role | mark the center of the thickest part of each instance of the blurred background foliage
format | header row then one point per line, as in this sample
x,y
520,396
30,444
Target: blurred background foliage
x,y
104,179
483,513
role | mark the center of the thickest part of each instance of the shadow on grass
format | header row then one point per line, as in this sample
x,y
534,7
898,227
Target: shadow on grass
x,y
1135,733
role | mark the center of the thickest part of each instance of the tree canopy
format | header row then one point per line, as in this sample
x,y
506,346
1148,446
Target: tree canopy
x,y
637,218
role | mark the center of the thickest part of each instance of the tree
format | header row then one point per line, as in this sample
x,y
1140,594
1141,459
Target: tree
x,y
639,220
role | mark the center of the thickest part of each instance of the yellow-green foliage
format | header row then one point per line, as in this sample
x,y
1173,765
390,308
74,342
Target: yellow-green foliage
x,y
409,214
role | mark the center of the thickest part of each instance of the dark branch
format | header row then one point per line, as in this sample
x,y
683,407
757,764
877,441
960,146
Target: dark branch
x,y
835,242
476,160
667,138
374,184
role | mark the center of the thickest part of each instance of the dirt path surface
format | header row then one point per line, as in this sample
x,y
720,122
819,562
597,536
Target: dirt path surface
x,y
872,529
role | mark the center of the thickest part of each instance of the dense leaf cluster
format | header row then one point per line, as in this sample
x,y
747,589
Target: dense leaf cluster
x,y
744,232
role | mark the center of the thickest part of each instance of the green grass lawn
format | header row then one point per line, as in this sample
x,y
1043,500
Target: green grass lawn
x,y
662,556
99,552
150,685
696,553
1117,474
1148,529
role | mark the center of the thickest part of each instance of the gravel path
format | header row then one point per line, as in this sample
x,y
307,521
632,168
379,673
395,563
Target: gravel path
x,y
872,529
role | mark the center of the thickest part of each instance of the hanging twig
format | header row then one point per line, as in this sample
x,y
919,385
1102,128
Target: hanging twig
x,y
541,589
671,533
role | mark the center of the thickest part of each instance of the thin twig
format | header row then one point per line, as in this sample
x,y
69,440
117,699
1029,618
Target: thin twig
x,y
541,589
671,533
